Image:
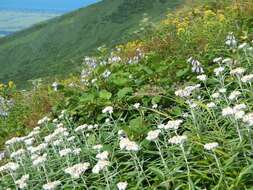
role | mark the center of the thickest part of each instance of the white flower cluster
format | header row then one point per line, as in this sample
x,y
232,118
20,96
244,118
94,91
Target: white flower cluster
x,y
153,135
108,109
122,185
43,120
237,111
126,144
39,160
77,170
187,91
10,166
51,185
102,162
211,146
178,140
22,182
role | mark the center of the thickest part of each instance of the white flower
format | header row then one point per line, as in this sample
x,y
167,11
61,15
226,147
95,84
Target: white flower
x,y
77,170
71,138
154,106
51,185
76,151
202,77
65,152
101,164
29,142
122,185
38,148
103,156
58,142
13,141
217,60
10,166
108,109
81,128
97,147
128,145
211,146
136,105
173,124
239,107
43,120
227,111
237,71
247,78
223,90
106,74
234,95
40,160
22,182
18,153
248,118
243,45
215,95
231,40
153,135
239,115
187,91
211,105
178,140
161,126
219,70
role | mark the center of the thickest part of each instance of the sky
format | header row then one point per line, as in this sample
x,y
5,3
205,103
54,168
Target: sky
x,y
57,5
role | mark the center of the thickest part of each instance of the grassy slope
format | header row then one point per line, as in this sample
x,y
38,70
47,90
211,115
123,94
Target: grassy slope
x,y
57,47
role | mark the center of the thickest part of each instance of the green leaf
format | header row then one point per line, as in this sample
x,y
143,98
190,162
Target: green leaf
x,y
123,92
182,72
104,94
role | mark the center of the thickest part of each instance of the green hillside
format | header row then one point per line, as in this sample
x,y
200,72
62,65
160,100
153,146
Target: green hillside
x,y
57,47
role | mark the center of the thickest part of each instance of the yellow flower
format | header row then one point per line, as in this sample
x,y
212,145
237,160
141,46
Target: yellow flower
x,y
11,84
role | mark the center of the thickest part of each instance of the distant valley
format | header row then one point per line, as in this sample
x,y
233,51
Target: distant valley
x,y
15,20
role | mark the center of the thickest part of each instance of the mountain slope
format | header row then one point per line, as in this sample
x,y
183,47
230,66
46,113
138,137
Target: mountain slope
x,y
57,47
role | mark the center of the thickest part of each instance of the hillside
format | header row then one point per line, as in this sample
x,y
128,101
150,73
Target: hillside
x,y
57,46
170,111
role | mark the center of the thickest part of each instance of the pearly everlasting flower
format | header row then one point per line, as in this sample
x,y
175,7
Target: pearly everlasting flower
x,y
211,146
128,145
215,95
106,74
51,185
243,45
22,182
231,40
223,90
247,78
58,142
238,71
40,160
38,148
136,105
228,61
19,153
228,111
154,106
248,119
108,109
81,128
29,142
187,91
122,185
97,147
71,138
217,60
77,170
101,165
219,70
13,141
239,115
234,95
153,135
103,155
10,166
178,140
65,152
202,77
173,124
76,151
161,126
43,120
239,107
211,105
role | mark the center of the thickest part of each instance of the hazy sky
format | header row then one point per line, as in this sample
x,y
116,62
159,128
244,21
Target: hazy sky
x,y
61,5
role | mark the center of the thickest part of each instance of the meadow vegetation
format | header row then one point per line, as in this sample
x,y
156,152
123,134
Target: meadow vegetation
x,y
171,110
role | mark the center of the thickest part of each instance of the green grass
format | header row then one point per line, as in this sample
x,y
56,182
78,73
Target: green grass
x,y
58,46
153,82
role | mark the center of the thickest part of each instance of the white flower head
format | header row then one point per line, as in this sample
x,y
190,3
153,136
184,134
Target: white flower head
x,y
136,105
153,135
178,140
51,185
234,95
202,77
65,152
122,185
40,160
108,109
247,78
174,124
238,71
211,146
77,170
211,105
218,71
101,165
215,95
103,155
22,182
126,144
